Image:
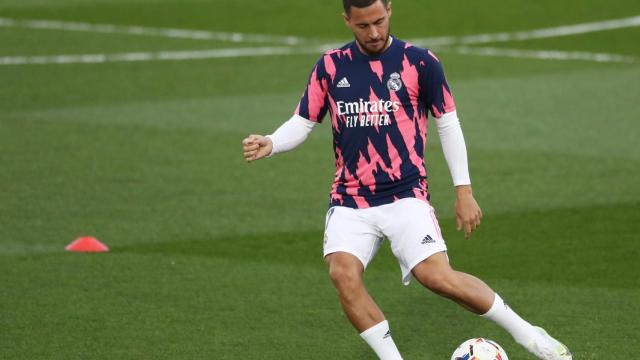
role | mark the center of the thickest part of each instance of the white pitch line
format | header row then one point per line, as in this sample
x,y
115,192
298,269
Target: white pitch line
x,y
287,50
150,31
544,54
159,56
291,41
559,31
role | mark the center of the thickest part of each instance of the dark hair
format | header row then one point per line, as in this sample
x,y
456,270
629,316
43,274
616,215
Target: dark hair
x,y
347,4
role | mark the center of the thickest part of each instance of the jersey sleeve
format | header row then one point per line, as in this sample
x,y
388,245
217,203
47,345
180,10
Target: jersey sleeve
x,y
314,103
438,98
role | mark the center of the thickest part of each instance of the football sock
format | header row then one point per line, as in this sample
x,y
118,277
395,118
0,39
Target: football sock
x,y
501,314
379,338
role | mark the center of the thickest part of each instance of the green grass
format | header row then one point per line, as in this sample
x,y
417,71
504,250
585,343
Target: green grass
x,y
212,258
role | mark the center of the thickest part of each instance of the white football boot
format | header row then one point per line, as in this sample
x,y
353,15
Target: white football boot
x,y
547,348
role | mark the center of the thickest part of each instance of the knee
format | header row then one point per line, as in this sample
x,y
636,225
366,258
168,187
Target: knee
x,y
345,275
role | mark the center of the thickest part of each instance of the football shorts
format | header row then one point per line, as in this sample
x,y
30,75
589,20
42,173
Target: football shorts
x,y
409,224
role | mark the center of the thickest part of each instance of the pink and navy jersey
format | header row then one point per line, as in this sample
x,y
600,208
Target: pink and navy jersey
x,y
379,108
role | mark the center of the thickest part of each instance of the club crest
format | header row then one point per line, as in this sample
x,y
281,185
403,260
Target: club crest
x,y
394,83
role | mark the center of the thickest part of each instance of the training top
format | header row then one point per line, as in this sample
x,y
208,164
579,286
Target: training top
x,y
379,109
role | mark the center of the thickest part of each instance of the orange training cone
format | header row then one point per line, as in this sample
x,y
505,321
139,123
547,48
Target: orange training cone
x,y
87,244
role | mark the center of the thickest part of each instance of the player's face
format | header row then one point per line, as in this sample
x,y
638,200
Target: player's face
x,y
370,26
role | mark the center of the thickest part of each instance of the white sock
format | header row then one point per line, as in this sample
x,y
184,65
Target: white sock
x,y
379,338
501,314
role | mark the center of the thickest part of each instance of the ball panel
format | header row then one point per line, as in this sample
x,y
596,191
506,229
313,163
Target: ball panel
x,y
479,349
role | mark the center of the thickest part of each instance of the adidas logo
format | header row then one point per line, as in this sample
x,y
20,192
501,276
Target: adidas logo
x,y
344,83
428,240
387,334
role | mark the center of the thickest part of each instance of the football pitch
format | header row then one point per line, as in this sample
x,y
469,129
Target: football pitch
x,y
123,120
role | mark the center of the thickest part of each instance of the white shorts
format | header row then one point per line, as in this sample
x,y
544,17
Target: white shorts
x,y
410,224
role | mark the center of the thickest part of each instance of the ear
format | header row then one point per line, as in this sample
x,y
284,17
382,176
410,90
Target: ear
x,y
389,8
347,20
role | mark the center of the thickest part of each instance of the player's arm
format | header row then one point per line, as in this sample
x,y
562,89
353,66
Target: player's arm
x,y
468,213
443,108
311,109
288,136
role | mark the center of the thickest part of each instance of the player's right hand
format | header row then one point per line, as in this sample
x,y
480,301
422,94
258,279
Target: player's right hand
x,y
256,147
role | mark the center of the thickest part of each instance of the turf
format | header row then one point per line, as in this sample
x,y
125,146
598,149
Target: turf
x,y
212,258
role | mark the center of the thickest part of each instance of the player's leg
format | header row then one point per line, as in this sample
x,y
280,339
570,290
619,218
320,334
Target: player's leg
x,y
346,272
350,244
436,274
417,243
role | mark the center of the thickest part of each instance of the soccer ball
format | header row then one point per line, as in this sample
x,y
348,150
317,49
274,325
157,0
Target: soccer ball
x,y
479,349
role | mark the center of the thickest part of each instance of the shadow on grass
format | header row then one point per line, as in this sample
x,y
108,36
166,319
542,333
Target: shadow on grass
x,y
295,248
582,247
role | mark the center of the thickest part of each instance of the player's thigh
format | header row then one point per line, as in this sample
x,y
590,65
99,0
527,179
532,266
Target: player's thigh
x,y
414,233
347,230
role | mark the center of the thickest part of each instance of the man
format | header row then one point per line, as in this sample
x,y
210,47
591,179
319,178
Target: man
x,y
378,91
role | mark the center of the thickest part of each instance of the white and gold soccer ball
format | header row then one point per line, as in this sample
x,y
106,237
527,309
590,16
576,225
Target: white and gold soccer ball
x,y
479,349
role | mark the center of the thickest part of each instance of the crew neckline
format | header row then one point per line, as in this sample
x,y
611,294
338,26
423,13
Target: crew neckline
x,y
393,42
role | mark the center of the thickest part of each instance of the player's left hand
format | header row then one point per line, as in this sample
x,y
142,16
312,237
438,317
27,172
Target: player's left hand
x,y
468,213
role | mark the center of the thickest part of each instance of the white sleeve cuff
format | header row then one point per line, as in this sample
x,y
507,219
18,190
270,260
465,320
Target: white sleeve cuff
x,y
291,134
454,148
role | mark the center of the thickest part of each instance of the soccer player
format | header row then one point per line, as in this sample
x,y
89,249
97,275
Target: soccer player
x,y
378,91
